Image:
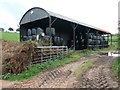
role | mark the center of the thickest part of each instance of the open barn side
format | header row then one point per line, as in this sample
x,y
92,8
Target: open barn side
x,y
62,30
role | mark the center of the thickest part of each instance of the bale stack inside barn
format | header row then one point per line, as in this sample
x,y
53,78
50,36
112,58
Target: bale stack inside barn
x,y
64,31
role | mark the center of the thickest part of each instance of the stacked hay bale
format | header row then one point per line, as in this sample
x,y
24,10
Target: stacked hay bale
x,y
16,56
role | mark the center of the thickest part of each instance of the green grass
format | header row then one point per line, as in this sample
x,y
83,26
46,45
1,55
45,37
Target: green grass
x,y
84,67
114,38
116,67
10,36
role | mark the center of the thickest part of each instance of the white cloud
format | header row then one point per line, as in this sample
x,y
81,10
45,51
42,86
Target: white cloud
x,y
7,20
99,13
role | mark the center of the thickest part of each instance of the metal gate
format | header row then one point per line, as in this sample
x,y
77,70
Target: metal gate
x,y
44,53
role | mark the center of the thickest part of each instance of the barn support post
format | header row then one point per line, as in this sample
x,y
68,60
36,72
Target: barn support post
x,y
50,24
108,39
88,30
50,19
74,38
111,39
74,26
98,35
97,39
103,40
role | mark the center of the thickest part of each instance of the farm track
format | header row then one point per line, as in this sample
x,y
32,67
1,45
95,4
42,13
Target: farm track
x,y
97,76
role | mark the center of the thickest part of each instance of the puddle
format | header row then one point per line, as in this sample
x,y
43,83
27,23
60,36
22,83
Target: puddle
x,y
111,53
114,53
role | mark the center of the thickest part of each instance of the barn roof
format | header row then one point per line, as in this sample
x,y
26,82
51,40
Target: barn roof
x,y
38,13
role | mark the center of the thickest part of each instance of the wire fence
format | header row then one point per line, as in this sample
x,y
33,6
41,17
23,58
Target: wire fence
x,y
44,53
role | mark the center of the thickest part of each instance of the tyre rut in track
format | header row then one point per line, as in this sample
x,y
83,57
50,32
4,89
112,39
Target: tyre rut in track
x,y
98,76
59,77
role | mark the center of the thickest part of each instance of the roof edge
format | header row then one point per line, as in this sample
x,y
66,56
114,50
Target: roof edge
x,y
31,9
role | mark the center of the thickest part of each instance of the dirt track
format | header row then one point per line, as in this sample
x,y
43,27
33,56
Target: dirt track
x,y
97,76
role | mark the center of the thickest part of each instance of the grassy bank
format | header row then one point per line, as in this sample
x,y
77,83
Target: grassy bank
x,y
10,36
116,67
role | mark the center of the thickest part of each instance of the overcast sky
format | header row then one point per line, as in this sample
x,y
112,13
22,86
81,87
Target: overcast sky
x,y
99,13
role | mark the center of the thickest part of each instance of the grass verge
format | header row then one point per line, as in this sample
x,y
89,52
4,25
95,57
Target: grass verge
x,y
83,67
116,67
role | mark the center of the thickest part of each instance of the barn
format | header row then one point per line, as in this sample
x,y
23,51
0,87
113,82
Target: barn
x,y
63,30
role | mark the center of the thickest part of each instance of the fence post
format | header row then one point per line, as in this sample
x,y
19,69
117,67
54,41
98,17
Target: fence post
x,y
41,55
50,53
57,52
62,52
66,50
32,57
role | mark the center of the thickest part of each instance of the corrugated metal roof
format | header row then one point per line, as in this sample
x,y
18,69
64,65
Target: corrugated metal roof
x,y
68,19
74,21
65,18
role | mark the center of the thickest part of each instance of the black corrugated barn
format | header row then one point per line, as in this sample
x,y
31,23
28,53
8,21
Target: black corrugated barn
x,y
71,32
